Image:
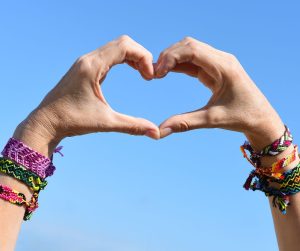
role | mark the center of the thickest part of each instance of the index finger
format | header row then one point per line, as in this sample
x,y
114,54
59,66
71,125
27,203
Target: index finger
x,y
189,51
125,49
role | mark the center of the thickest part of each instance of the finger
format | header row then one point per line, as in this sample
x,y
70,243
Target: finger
x,y
206,117
125,49
184,122
134,126
132,64
136,66
187,68
197,72
190,51
161,59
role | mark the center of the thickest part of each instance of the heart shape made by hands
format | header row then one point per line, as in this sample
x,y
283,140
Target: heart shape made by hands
x,y
80,107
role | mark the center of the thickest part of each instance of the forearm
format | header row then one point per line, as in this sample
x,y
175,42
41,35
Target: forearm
x,y
11,216
287,226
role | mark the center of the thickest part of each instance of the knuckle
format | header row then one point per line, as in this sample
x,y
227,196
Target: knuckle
x,y
123,41
231,58
192,46
134,130
162,54
188,39
149,55
83,66
168,57
124,38
214,119
183,125
232,66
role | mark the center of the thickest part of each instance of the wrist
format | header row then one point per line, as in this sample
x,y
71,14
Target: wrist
x,y
38,132
266,132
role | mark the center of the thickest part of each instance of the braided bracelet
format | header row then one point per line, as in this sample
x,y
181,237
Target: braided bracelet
x,y
31,206
29,158
271,172
19,199
273,149
12,196
20,173
290,185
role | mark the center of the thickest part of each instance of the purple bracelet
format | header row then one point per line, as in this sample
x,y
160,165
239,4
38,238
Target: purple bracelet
x,y
23,155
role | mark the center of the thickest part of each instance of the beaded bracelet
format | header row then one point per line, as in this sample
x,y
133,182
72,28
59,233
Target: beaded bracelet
x,y
29,158
20,173
273,149
19,199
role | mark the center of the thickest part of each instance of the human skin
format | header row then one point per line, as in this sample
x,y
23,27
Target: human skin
x,y
76,106
236,104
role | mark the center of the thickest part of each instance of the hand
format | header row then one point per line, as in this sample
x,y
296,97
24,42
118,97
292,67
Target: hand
x,y
77,106
236,103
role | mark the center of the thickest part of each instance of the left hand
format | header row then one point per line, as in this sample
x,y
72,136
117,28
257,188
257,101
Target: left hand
x,y
236,103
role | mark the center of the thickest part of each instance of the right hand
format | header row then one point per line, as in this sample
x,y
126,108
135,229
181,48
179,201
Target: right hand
x,y
76,104
236,103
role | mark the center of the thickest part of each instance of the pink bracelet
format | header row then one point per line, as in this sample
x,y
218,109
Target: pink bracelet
x,y
12,196
29,158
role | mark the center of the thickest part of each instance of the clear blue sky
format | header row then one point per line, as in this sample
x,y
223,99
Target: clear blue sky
x,y
183,192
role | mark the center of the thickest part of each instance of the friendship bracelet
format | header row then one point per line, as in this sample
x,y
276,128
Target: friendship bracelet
x,y
271,180
32,206
287,187
290,185
29,158
273,149
20,173
277,166
28,166
12,196
273,171
19,199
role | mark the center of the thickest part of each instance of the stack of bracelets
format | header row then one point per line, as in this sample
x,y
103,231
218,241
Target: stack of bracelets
x,y
273,181
29,167
32,168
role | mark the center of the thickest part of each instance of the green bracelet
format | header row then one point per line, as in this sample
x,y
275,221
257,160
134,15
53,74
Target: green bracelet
x,y
19,172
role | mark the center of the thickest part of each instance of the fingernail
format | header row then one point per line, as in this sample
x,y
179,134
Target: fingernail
x,y
151,134
165,132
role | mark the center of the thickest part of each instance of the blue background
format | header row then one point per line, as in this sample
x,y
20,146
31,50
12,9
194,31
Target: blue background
x,y
117,192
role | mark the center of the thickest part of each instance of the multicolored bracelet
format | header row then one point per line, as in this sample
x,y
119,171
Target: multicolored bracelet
x,y
28,166
20,173
272,180
271,172
12,196
29,158
273,149
19,199
288,186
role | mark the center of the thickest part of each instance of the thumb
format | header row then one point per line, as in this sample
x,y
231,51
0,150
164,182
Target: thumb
x,y
184,122
134,126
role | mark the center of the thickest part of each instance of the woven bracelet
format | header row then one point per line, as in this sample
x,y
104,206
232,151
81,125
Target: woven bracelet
x,y
288,186
20,173
273,149
272,172
12,196
29,158
19,199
